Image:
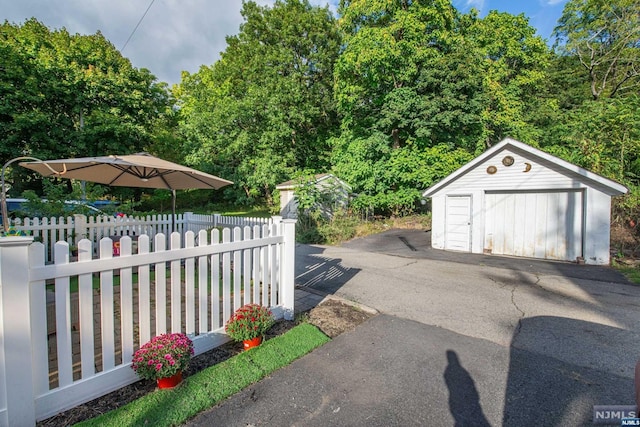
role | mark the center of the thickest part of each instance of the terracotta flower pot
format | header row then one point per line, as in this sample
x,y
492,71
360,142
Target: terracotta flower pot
x,y
252,343
170,382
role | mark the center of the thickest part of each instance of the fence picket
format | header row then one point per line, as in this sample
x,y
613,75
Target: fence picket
x,y
161,287
126,302
144,293
226,278
246,267
203,270
63,318
85,310
106,308
264,268
273,260
176,287
255,271
190,286
237,271
215,283
81,350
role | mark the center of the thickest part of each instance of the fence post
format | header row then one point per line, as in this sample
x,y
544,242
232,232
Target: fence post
x,y
277,219
79,228
288,267
16,330
187,218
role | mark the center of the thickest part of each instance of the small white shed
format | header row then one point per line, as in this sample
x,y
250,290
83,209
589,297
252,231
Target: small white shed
x,y
334,194
517,200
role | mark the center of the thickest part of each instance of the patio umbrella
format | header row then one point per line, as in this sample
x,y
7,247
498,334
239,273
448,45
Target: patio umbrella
x,y
135,170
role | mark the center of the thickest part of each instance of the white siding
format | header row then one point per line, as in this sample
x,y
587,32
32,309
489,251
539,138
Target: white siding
x,y
569,214
437,222
514,177
534,224
597,227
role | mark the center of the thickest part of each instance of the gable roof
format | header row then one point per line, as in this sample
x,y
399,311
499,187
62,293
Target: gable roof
x,y
293,183
613,187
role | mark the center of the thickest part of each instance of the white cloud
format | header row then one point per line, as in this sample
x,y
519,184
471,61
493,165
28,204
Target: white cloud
x,y
174,35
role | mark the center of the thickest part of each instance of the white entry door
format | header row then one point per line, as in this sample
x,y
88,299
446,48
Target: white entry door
x,y
534,224
458,223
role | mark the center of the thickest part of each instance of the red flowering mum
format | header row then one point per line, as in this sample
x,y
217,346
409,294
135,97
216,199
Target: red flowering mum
x,y
248,322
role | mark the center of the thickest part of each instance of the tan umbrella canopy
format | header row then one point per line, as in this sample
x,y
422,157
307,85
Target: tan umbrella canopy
x,y
135,170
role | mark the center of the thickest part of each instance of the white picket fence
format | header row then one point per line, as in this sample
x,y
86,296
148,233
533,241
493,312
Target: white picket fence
x,y
74,228
80,343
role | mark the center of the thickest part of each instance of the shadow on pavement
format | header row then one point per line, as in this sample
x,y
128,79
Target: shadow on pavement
x,y
553,378
322,273
464,400
411,243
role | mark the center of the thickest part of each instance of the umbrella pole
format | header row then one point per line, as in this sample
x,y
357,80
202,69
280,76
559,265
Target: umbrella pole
x,y
173,210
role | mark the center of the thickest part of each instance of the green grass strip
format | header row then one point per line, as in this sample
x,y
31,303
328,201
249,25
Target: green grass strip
x,y
210,386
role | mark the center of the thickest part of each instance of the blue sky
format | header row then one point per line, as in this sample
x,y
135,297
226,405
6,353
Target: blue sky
x,y
178,35
542,14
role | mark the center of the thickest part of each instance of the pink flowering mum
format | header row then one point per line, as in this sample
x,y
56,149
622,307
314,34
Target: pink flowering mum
x,y
164,356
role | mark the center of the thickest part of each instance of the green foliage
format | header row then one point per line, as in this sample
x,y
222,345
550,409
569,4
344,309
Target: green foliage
x,y
341,228
52,204
631,273
514,69
415,77
69,95
605,36
265,109
604,137
392,96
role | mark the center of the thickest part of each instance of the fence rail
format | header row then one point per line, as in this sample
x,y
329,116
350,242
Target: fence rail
x,y
82,321
74,228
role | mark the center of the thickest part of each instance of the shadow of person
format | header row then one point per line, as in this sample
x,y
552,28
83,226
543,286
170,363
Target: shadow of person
x,y
464,400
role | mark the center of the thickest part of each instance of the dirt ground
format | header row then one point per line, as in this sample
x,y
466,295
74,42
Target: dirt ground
x,y
333,317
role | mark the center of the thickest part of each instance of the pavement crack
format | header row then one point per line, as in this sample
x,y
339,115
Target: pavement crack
x,y
522,313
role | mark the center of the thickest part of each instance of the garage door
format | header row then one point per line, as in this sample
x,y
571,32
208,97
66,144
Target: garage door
x,y
534,224
458,223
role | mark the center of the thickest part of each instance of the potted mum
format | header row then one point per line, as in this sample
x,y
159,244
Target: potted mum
x,y
163,359
249,323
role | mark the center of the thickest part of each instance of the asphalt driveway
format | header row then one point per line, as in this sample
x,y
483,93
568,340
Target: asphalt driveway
x,y
462,340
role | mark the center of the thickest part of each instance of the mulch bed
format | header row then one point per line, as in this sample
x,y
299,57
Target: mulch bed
x,y
138,389
332,317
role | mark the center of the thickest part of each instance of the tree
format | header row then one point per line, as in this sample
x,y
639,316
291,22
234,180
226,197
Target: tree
x,y
514,70
416,77
605,36
404,84
71,95
265,110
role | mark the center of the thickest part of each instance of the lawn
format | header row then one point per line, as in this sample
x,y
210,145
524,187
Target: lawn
x,y
212,385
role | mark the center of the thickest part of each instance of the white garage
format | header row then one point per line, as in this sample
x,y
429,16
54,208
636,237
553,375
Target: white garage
x,y
519,201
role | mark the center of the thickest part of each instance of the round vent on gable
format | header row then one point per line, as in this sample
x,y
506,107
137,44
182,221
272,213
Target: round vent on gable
x,y
507,161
